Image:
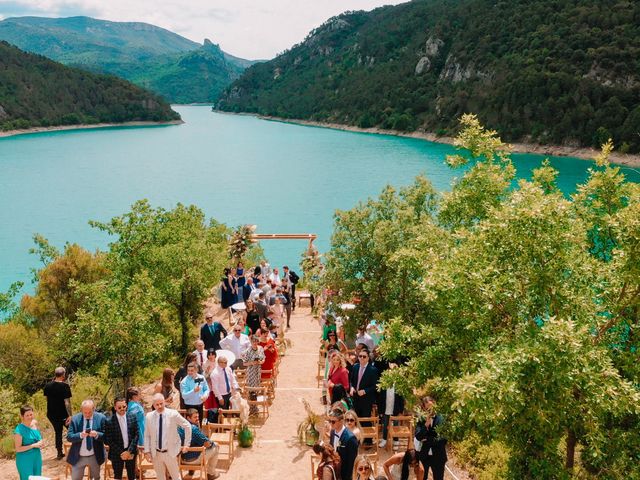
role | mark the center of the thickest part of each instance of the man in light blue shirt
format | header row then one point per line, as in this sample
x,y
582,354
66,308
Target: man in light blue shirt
x,y
194,389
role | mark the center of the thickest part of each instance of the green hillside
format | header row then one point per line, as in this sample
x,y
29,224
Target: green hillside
x,y
173,66
553,71
36,91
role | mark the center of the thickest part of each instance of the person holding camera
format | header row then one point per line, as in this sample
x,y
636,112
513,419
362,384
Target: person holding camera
x,y
430,445
194,389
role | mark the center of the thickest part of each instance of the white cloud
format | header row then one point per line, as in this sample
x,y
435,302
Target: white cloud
x,y
246,28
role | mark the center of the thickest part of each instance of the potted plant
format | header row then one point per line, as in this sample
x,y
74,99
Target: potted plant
x,y
307,431
245,436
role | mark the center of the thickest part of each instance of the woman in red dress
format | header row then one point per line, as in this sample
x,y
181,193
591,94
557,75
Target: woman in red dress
x,y
268,344
338,374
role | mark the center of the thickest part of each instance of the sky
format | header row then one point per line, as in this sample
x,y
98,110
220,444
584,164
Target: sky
x,y
252,29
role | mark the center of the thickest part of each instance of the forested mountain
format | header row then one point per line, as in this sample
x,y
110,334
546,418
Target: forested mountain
x,y
173,66
36,91
547,71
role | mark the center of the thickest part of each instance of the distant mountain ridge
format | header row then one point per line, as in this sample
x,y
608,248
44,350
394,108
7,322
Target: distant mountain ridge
x,y
175,67
38,92
561,72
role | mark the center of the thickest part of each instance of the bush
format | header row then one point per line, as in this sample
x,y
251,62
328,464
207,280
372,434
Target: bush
x,y
9,418
483,461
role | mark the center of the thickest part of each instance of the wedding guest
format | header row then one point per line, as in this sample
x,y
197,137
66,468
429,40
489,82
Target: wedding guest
x,y
199,439
121,436
27,441
253,359
433,452
343,442
165,386
86,434
238,343
211,332
363,469
223,382
135,408
329,466
407,461
337,375
194,389
268,344
58,393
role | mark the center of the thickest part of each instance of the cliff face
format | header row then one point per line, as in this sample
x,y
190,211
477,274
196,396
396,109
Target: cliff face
x,y
559,72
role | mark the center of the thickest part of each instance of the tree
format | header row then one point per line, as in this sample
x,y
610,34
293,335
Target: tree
x,y
181,254
507,307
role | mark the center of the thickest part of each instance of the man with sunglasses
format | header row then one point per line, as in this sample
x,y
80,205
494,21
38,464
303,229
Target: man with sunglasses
x,y
344,442
238,343
363,380
121,436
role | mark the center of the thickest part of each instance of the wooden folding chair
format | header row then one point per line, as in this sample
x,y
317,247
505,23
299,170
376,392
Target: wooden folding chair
x,y
400,427
200,466
143,465
66,446
261,400
370,431
230,417
222,435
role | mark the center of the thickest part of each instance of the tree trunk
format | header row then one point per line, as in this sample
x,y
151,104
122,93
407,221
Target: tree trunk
x,y
571,450
184,324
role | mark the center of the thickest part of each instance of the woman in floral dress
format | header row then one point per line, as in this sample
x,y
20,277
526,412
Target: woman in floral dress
x,y
253,359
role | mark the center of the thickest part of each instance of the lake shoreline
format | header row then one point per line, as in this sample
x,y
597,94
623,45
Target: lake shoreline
x,y
86,126
627,160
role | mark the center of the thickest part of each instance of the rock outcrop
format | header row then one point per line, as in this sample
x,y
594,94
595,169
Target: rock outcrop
x,y
431,50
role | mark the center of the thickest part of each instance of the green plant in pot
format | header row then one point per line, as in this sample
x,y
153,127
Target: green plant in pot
x,y
245,436
307,431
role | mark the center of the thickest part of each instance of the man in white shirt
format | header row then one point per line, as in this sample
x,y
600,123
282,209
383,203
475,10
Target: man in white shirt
x,y
223,382
238,343
275,277
201,354
162,442
364,338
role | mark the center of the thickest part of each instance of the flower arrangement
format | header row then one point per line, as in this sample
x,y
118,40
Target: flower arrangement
x,y
240,241
307,432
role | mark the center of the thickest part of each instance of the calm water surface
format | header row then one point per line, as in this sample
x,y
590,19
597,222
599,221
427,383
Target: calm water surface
x,y
238,169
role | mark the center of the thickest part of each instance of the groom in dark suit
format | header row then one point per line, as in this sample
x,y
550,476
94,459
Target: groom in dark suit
x,y
86,434
121,436
344,442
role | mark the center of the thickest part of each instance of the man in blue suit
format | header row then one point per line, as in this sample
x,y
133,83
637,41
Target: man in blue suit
x,y
344,442
86,433
363,380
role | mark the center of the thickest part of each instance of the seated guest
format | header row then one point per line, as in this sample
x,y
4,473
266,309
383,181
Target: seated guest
x,y
121,436
199,439
194,389
223,382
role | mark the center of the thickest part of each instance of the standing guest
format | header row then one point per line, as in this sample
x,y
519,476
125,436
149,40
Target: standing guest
x,y
182,372
243,324
248,289
261,305
363,380
228,291
329,465
352,422
58,395
363,469
253,359
135,408
165,386
432,452
86,434
275,277
121,436
199,439
253,317
161,438
389,403
28,442
240,275
286,293
293,280
223,382
265,269
344,442
201,354
211,403
407,461
364,337
334,343
212,332
268,344
338,374
238,343
194,389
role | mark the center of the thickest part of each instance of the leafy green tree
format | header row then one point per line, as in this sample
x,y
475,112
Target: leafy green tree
x,y
181,254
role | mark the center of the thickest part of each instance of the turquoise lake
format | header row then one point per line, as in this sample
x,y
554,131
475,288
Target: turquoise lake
x,y
239,169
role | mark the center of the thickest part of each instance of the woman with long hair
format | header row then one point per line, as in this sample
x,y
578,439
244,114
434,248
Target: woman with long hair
x,y
165,386
352,422
329,466
408,461
337,374
228,290
241,280
268,344
363,469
